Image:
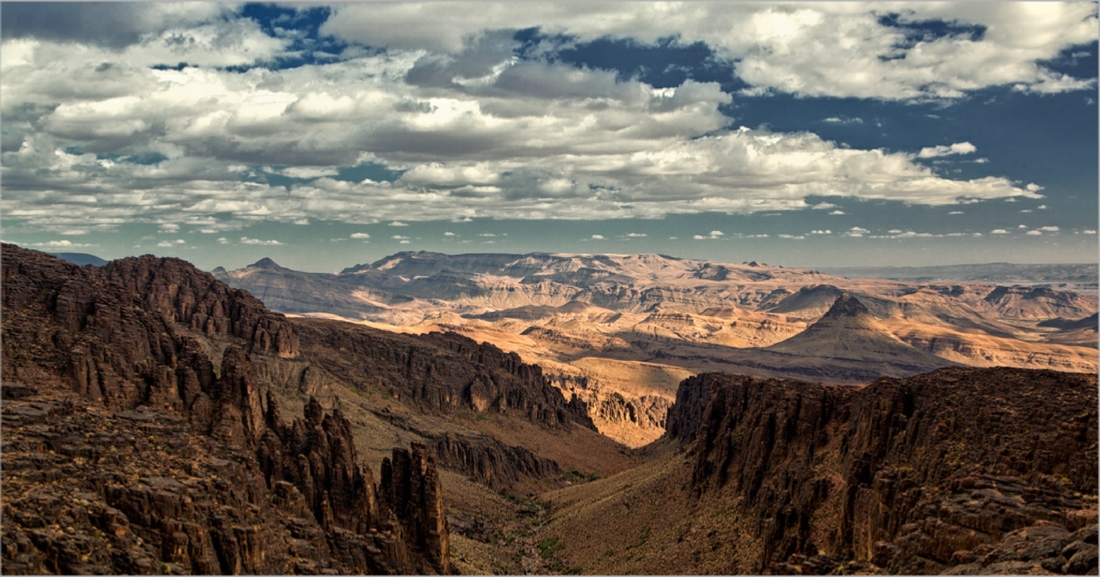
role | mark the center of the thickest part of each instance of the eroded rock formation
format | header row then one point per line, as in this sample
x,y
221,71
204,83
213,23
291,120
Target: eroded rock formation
x,y
127,449
959,470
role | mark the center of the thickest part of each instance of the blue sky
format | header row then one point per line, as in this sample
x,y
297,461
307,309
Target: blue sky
x,y
813,134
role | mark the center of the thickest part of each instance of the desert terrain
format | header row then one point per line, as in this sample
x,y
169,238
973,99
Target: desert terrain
x,y
620,331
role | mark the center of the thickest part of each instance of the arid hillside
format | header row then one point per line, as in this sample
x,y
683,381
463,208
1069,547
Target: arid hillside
x,y
165,401
590,319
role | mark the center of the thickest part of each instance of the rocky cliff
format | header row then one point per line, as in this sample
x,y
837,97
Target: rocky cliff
x,y
438,372
138,437
959,470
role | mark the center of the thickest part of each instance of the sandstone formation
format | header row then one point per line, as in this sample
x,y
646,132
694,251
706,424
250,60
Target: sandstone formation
x,y
961,470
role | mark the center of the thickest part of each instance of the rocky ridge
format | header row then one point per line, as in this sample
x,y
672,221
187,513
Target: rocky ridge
x,y
180,463
964,471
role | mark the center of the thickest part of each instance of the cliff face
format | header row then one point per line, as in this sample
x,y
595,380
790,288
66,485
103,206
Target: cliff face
x,y
138,438
125,334
439,372
963,470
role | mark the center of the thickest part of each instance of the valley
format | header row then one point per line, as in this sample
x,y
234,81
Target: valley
x,y
620,331
159,420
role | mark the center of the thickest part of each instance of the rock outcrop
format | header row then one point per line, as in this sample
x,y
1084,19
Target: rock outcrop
x,y
127,449
441,372
959,470
501,467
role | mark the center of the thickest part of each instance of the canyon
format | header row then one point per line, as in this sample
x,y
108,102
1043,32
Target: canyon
x,y
159,420
620,331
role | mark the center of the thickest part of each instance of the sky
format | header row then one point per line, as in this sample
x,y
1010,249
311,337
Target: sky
x,y
323,136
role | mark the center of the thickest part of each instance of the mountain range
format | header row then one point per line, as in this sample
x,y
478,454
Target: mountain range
x,y
157,420
620,331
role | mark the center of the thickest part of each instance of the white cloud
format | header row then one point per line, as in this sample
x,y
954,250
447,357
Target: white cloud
x,y
636,235
360,235
1048,228
823,206
167,243
843,120
1034,232
223,240
955,212
854,54
398,223
791,236
856,232
256,241
1041,207
821,231
941,150
714,235
836,213
55,244
449,233
1089,231
404,241
597,237
999,231
1022,226
480,134
399,237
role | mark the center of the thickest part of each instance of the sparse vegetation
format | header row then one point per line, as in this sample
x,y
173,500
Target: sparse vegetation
x,y
548,547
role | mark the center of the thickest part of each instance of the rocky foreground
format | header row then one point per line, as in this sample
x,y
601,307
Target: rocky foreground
x,y
958,471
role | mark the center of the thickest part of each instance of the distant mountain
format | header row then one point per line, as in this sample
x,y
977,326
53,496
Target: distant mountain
x,y
80,259
1066,276
591,318
849,331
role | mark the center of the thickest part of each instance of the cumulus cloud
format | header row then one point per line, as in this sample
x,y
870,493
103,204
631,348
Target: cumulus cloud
x,y
360,235
68,244
449,233
102,135
941,150
597,237
999,231
256,241
1048,228
856,232
636,235
856,53
1088,231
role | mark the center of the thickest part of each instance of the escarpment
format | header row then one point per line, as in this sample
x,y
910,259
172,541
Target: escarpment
x,y
959,470
488,461
139,437
439,372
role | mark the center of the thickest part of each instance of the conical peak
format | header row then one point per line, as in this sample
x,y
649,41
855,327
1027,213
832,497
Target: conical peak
x,y
265,263
847,306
